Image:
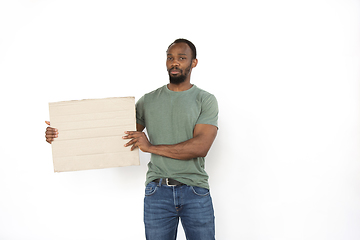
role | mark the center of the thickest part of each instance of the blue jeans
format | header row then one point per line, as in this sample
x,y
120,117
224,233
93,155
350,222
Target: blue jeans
x,y
165,205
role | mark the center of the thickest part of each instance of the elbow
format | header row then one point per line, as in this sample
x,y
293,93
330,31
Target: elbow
x,y
203,153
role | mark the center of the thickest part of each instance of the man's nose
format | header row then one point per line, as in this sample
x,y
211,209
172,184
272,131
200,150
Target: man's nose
x,y
175,63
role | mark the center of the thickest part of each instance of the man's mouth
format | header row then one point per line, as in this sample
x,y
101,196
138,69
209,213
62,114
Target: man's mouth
x,y
175,71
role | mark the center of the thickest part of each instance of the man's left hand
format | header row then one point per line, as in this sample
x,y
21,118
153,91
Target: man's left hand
x,y
138,139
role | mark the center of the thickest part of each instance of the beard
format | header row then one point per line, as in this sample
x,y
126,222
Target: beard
x,y
181,78
178,79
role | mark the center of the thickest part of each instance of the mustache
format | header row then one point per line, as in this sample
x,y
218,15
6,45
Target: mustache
x,y
175,68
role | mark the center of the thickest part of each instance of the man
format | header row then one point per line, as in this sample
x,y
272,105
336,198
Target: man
x,y
181,122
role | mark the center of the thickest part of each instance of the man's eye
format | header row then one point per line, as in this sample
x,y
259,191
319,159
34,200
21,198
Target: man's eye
x,y
182,58
169,58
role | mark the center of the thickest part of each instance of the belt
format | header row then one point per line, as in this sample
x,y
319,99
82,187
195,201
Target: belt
x,y
169,182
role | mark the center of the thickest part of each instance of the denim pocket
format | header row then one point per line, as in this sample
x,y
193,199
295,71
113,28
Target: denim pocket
x,y
203,192
150,189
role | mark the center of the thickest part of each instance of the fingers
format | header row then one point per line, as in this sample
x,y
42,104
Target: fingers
x,y
135,136
131,134
131,142
133,147
50,134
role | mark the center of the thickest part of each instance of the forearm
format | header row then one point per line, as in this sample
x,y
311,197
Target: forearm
x,y
183,151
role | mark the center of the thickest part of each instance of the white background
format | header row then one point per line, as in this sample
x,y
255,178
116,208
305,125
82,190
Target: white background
x,y
286,161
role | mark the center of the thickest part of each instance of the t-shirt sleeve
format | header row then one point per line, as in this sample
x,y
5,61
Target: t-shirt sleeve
x,y
209,111
140,111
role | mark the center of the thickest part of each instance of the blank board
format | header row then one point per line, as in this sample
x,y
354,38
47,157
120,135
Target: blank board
x,y
90,133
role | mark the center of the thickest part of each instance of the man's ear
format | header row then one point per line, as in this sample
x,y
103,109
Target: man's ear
x,y
194,63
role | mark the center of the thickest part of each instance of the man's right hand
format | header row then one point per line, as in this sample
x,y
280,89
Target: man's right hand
x,y
50,133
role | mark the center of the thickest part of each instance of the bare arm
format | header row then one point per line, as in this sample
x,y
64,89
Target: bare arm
x,y
198,146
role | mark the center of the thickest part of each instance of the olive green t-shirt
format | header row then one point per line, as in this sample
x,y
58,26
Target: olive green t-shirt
x,y
170,118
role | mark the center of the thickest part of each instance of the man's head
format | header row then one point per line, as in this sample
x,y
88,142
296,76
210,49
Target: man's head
x,y
181,59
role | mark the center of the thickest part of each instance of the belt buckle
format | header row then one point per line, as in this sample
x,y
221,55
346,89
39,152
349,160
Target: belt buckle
x,y
167,183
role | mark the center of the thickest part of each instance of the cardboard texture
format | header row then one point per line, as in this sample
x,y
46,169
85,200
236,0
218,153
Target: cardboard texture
x,y
90,133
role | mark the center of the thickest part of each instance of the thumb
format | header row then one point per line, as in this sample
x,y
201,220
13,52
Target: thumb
x,y
47,122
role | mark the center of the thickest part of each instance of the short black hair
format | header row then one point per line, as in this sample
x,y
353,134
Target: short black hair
x,y
190,44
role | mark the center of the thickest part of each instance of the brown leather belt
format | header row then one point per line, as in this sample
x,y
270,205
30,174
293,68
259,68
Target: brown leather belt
x,y
169,182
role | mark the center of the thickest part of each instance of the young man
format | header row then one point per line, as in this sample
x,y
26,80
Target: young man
x,y
181,122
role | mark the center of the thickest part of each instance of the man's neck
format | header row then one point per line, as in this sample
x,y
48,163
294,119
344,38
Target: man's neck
x,y
179,87
186,85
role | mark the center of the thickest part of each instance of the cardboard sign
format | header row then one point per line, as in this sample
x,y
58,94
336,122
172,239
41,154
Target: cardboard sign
x,y
90,133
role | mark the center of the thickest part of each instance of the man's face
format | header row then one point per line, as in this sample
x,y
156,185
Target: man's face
x,y
179,62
